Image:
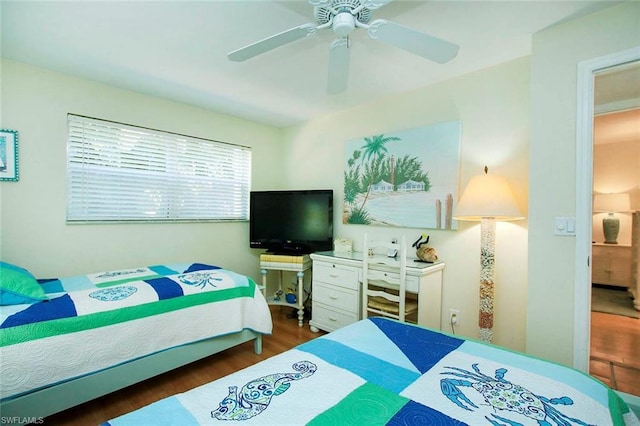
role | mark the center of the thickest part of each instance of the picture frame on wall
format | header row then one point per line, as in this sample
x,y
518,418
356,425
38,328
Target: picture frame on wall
x,y
8,155
406,178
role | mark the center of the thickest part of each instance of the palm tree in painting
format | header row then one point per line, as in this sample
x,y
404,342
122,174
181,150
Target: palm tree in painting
x,y
351,181
353,185
374,148
410,168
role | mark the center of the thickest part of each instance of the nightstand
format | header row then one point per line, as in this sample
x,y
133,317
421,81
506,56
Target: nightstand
x,y
611,264
283,263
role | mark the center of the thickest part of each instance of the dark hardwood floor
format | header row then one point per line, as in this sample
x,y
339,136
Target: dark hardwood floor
x,y
615,359
615,351
286,334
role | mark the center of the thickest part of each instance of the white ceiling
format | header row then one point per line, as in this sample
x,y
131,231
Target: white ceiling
x,y
177,49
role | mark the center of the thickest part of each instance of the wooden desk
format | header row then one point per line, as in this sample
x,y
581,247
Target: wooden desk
x,y
336,283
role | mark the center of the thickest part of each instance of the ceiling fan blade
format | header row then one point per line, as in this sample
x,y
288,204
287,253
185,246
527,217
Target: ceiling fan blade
x,y
272,42
339,56
419,43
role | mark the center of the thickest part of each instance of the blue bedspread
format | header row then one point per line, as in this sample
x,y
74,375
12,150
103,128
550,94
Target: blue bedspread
x,y
378,371
112,294
94,322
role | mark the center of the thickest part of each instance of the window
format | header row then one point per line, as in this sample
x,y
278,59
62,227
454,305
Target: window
x,y
117,172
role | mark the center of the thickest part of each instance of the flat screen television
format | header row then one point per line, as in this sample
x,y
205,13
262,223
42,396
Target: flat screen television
x,y
291,222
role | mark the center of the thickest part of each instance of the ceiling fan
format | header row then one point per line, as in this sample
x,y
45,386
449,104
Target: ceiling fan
x,y
343,17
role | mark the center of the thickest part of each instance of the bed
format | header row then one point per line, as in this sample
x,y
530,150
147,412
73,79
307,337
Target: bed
x,y
66,341
380,371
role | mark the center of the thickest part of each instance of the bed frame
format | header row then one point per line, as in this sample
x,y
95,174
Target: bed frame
x,y
45,402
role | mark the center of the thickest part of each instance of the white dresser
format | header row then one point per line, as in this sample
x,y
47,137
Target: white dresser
x,y
336,281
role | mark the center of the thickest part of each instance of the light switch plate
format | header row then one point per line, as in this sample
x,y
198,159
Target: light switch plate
x,y
564,226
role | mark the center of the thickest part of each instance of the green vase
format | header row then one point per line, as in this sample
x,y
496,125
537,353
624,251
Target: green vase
x,y
611,228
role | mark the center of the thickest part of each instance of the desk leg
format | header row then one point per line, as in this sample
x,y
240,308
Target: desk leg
x,y
300,298
264,282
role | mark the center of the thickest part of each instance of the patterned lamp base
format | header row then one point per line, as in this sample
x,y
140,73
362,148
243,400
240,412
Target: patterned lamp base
x,y
487,274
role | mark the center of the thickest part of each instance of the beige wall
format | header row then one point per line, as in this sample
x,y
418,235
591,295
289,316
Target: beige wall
x,y
556,53
493,106
33,233
518,118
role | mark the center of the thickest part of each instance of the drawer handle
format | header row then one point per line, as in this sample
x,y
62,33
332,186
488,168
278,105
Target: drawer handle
x,y
334,275
333,297
333,319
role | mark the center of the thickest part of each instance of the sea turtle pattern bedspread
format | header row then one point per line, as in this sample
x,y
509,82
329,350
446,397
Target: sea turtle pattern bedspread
x,y
379,371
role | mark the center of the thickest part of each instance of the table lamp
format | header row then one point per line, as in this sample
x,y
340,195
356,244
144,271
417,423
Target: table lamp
x,y
611,203
487,199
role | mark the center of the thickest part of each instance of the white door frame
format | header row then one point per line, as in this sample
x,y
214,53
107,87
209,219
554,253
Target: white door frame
x,y
584,190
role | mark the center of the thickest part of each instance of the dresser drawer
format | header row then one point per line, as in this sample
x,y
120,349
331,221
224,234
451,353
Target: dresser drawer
x,y
339,298
413,282
329,320
339,275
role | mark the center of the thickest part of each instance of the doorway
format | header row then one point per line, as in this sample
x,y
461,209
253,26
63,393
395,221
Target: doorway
x,y
615,328
590,102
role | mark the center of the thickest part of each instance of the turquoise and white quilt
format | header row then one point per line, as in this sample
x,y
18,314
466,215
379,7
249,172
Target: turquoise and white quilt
x,y
96,321
382,372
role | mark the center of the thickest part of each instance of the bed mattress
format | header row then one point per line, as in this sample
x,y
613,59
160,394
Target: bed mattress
x,y
97,321
379,371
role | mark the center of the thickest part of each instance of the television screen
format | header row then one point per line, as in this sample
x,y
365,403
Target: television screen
x,y
298,221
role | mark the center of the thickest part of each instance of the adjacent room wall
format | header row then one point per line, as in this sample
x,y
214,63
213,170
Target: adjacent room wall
x,y
33,233
493,106
556,53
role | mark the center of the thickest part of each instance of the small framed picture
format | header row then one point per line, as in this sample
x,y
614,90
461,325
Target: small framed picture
x,y
8,155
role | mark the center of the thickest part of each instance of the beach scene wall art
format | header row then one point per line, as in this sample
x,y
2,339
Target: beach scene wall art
x,y
406,178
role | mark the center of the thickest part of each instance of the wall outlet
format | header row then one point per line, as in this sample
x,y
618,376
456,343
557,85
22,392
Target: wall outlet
x,y
454,317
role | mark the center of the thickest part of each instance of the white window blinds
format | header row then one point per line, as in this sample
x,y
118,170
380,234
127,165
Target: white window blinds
x,y
118,172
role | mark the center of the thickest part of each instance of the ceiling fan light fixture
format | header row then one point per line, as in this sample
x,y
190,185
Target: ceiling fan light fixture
x,y
343,24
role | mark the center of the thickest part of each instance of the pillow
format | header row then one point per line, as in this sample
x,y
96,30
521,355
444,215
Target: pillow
x,y
16,268
18,286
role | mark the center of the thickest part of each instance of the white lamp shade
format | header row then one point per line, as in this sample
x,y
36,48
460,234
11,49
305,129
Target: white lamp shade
x,y
611,203
487,196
